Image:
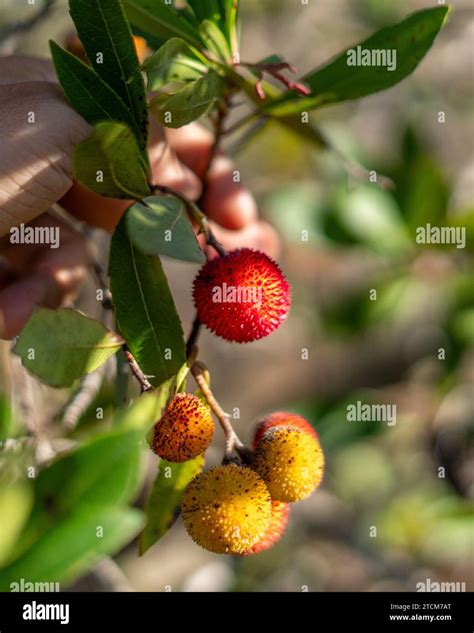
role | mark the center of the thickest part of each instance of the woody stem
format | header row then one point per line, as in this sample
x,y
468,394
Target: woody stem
x,y
232,442
136,371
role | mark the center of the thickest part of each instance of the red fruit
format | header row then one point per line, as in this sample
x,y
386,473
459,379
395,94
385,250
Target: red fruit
x,y
184,431
242,296
276,527
281,418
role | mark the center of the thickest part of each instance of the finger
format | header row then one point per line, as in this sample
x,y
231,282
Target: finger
x,y
15,69
226,201
53,281
193,146
21,257
38,129
167,169
96,210
18,301
258,235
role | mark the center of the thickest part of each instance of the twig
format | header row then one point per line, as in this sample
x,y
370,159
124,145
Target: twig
x,y
100,275
211,240
193,336
111,576
358,172
222,113
26,25
232,441
137,372
81,400
197,215
244,121
14,444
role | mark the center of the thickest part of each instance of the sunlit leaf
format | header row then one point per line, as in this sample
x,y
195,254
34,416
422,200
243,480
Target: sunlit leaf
x,y
161,226
107,39
109,162
144,308
60,346
338,81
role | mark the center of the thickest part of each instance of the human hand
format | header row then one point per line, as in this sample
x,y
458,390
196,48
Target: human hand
x,y
39,130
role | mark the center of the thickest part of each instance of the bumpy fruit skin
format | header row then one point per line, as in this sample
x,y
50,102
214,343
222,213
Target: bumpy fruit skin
x,y
281,418
185,430
226,509
276,527
243,296
290,461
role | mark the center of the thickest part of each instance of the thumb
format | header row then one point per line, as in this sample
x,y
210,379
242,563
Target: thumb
x,y
39,130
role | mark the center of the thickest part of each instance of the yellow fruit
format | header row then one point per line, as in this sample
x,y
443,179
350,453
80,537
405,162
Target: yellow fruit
x,y
290,461
226,509
275,529
185,430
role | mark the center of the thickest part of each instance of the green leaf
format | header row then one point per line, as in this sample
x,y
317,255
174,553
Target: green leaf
x,y
371,217
215,40
148,407
229,11
88,93
7,426
162,507
161,226
112,153
74,545
206,10
189,103
159,19
337,81
107,39
103,471
107,470
60,346
174,61
16,501
144,308
421,188
306,131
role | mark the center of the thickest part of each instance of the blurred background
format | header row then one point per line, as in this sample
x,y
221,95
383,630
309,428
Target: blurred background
x,y
410,344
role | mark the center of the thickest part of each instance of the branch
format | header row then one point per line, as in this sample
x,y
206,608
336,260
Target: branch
x,y
81,400
232,441
244,121
193,336
222,112
26,25
137,372
100,275
111,576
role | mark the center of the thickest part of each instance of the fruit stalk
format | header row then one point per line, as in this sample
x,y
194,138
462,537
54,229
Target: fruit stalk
x,y
232,441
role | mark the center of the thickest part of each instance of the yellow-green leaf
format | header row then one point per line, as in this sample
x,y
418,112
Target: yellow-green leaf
x,y
60,346
109,162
